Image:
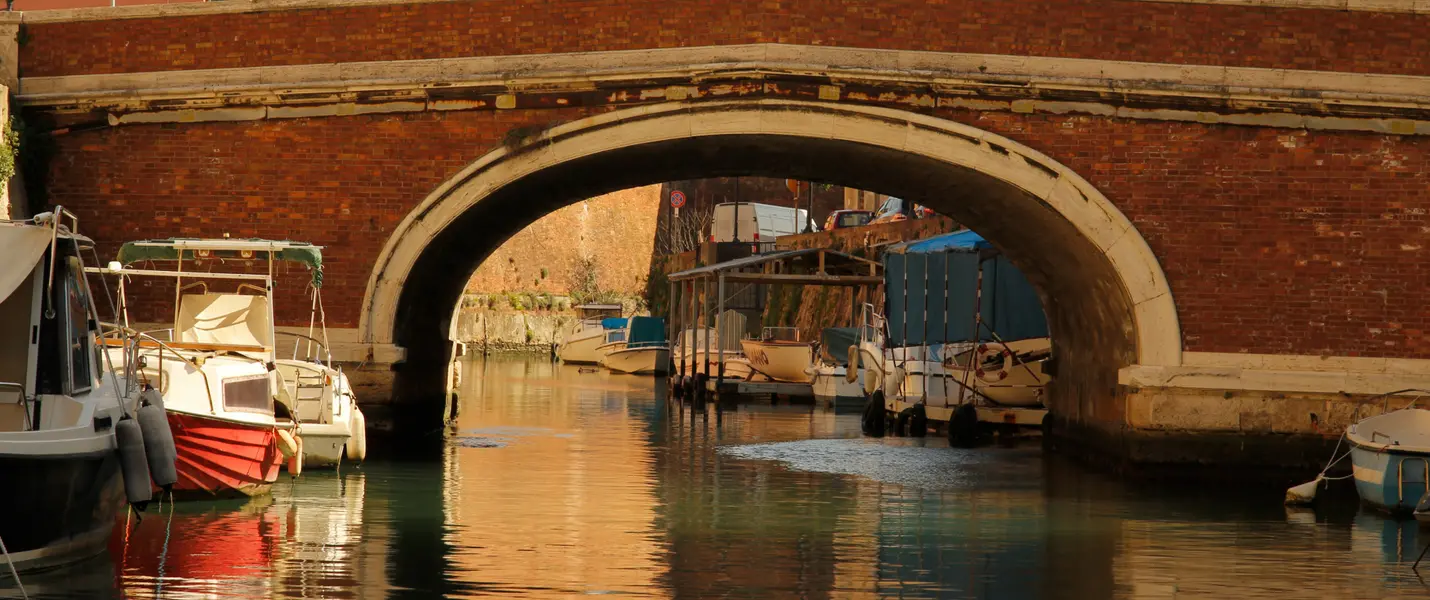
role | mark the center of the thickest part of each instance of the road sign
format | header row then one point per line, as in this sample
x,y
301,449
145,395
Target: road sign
x,y
677,199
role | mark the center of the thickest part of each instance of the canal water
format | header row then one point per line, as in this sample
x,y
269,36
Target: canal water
x,y
564,482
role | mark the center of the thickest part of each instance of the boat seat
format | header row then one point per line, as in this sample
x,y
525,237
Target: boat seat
x,y
224,319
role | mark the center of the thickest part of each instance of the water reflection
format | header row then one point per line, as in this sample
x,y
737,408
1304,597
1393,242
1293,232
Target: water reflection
x,y
558,482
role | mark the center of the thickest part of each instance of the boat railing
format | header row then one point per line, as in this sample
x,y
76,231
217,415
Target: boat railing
x,y
130,341
780,334
323,353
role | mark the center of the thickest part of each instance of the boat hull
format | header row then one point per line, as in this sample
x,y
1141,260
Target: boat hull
x,y
638,361
830,385
581,348
323,445
222,458
781,361
60,510
1389,480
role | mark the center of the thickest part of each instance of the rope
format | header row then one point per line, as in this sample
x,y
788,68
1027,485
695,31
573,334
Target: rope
x,y
13,572
164,553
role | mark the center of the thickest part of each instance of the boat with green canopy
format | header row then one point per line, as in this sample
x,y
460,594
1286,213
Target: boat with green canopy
x,y
237,419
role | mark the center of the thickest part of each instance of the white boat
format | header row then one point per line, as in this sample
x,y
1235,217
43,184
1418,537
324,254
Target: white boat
x,y
236,421
61,404
645,350
831,375
580,344
699,348
1008,374
780,355
1390,458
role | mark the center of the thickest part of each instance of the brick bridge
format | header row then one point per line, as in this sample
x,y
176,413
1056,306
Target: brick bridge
x,y
1223,201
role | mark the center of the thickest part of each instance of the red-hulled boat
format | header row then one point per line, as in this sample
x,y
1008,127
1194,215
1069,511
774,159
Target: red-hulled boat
x,y
230,414
215,456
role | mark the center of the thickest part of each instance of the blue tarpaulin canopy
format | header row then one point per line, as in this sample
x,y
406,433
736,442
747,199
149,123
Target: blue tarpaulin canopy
x,y
613,323
926,280
646,331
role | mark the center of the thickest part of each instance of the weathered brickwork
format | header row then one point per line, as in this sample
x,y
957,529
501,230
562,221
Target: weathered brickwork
x,y
344,183
1105,29
1274,241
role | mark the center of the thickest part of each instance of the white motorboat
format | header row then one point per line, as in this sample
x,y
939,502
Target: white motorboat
x,y
700,348
645,350
69,428
1390,458
832,380
780,355
236,420
581,344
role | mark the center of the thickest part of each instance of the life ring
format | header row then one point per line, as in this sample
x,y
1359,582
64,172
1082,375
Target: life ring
x,y
851,372
295,462
996,375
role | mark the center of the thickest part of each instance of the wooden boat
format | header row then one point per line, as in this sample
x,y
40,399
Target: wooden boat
x,y
788,359
62,474
1390,459
645,350
235,421
580,344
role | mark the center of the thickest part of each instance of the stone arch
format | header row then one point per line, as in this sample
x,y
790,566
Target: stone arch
x,y
1108,301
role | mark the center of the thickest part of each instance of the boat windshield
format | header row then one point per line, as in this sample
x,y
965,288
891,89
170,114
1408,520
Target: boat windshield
x,y
780,334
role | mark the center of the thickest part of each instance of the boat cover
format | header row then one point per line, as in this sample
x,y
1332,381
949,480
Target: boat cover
x,y
646,331
238,249
932,287
836,341
24,245
613,323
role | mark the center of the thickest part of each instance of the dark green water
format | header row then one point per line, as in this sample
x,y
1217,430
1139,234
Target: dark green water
x,y
562,484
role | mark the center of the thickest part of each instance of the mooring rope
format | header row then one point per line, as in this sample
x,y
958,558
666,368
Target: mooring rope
x,y
13,572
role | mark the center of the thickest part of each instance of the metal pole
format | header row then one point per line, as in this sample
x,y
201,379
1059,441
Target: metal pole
x,y
928,347
809,216
720,338
670,315
737,213
684,320
704,313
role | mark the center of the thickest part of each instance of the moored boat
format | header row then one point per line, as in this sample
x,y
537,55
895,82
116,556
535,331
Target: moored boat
x,y
60,404
780,355
235,420
580,344
645,350
1390,459
832,380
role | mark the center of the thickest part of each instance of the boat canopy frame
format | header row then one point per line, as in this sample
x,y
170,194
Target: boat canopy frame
x,y
802,266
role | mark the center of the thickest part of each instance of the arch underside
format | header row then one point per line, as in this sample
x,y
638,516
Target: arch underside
x,y
1106,299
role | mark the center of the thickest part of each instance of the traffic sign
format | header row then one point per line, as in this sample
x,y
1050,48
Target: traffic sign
x,y
677,199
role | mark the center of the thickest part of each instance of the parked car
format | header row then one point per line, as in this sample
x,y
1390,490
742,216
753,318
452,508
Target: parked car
x,y
752,222
898,209
844,219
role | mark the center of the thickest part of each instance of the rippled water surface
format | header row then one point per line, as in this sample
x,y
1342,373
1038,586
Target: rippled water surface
x,y
558,483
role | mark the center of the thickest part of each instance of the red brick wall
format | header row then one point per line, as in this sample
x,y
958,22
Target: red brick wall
x,y
1106,29
1275,241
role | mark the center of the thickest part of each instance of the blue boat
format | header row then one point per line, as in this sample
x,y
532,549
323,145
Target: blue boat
x,y
1390,459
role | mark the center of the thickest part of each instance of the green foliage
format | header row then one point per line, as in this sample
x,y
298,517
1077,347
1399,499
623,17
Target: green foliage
x,y
10,149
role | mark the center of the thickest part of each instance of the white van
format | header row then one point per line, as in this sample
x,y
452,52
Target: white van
x,y
756,222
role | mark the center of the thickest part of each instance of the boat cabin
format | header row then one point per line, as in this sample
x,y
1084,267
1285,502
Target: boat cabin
x,y
47,329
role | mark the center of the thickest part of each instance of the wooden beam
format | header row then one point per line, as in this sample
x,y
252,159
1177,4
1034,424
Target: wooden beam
x,y
804,279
